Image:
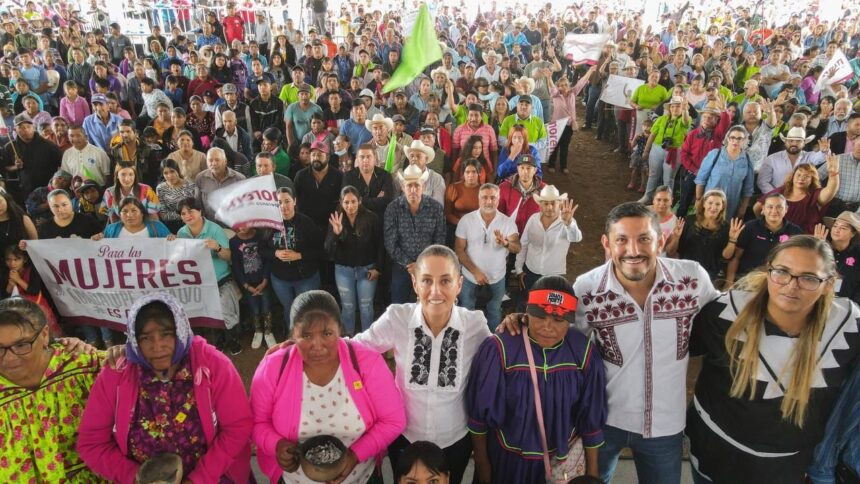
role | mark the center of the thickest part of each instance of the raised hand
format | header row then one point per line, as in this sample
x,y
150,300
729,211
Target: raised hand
x,y
500,237
824,147
679,227
832,165
336,221
735,228
820,232
567,211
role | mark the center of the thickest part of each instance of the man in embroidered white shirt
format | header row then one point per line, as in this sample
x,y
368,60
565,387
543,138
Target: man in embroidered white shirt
x,y
546,239
640,308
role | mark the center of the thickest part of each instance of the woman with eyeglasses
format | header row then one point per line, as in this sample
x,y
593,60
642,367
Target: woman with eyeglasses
x,y
776,349
845,243
729,169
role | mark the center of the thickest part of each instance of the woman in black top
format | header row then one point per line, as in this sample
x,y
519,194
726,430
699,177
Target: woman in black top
x,y
846,249
15,225
776,349
703,236
298,253
354,243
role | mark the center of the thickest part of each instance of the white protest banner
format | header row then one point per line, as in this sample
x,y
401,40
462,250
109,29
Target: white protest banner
x,y
584,48
96,282
619,89
836,71
553,133
249,203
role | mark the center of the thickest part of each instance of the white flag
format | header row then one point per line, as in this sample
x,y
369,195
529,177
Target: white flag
x,y
553,133
249,203
585,48
836,71
619,89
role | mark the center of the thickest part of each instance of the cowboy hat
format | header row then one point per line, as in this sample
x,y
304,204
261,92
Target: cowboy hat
x,y
491,53
439,70
528,83
630,64
848,217
711,108
379,119
797,133
413,173
549,193
676,100
418,145
521,21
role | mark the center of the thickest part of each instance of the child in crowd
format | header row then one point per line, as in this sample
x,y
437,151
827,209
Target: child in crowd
x,y
21,280
73,106
89,201
638,162
252,260
114,106
173,91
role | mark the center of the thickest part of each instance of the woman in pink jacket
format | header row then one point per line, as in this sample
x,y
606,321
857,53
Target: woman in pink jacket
x,y
323,386
172,393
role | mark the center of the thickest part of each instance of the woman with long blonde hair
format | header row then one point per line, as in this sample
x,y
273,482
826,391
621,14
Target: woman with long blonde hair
x,y
703,236
776,350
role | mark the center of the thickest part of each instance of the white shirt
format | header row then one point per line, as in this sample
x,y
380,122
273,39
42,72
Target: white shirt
x,y
544,251
776,167
125,233
433,387
90,163
481,246
232,139
645,351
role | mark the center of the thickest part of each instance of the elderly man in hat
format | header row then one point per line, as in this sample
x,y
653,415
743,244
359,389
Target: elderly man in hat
x,y
776,167
546,238
388,157
298,117
230,93
491,69
413,221
31,157
523,116
420,155
483,240
709,135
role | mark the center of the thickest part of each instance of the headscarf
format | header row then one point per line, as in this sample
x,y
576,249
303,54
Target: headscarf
x,y
184,335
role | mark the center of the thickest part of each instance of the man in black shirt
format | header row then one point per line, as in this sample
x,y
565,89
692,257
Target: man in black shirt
x,y
318,187
266,111
374,183
66,223
29,158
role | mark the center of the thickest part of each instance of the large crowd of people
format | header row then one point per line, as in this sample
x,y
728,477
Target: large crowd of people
x,y
421,236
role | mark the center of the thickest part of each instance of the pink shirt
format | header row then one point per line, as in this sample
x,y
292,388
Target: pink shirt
x,y
74,112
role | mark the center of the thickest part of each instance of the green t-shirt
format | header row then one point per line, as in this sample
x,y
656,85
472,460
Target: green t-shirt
x,y
290,94
213,231
648,97
301,119
462,113
676,130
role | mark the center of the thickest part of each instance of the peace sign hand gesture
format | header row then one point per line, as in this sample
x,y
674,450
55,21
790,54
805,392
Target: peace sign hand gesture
x,y
500,238
679,227
336,221
735,228
567,211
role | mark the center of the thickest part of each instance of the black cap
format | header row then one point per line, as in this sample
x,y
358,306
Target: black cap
x,y
525,99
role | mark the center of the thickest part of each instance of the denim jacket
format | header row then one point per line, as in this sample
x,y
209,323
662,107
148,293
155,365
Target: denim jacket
x,y
841,440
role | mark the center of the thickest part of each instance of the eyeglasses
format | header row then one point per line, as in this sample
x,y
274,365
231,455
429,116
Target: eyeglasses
x,y
21,349
737,138
804,281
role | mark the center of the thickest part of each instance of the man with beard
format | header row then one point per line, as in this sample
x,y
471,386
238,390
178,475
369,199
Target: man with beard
x,y
645,304
373,182
839,120
318,187
146,157
779,165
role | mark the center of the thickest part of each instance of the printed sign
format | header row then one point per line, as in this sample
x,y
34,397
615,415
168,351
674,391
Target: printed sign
x,y
619,89
249,203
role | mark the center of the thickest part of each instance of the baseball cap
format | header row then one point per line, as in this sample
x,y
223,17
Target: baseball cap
x,y
62,174
99,98
21,119
526,158
320,146
229,88
366,93
304,88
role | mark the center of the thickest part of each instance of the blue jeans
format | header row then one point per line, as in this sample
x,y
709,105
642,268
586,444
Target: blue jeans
x,y
546,107
286,291
401,285
352,284
591,107
91,334
659,171
494,305
259,304
657,460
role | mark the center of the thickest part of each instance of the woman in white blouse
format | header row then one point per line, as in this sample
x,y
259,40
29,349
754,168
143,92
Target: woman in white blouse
x,y
434,342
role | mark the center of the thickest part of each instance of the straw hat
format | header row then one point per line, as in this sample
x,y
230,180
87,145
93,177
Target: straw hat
x,y
851,218
439,70
379,119
419,146
413,173
491,53
549,193
528,83
797,134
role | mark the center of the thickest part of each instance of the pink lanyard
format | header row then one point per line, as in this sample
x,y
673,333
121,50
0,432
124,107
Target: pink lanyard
x,y
538,406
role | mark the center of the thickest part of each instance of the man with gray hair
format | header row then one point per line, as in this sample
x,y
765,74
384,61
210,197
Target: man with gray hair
x,y
760,131
484,238
217,175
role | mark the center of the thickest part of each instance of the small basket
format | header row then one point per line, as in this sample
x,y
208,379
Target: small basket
x,y
321,472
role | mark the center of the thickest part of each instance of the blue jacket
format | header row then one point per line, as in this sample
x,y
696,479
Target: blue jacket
x,y
508,167
155,228
842,435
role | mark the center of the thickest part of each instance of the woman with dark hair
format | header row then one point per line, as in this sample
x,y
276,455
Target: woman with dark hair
x,y
279,71
43,382
362,408
15,225
220,69
354,244
422,463
201,121
462,197
776,349
845,243
133,223
569,401
191,161
126,184
473,149
298,250
171,191
173,392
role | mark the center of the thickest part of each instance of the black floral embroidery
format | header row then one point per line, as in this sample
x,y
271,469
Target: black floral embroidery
x,y
448,359
420,374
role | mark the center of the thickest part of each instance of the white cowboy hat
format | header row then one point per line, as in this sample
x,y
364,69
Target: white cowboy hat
x,y
529,84
418,145
676,100
630,64
521,21
439,70
491,53
379,119
549,193
413,173
797,133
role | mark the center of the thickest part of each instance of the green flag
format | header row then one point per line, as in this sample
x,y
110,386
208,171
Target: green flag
x,y
389,158
419,51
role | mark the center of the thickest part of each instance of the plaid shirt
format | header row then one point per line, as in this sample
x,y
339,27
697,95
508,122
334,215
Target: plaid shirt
x,y
849,178
485,131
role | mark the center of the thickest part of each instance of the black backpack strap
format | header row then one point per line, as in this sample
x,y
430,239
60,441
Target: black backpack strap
x,y
286,358
353,358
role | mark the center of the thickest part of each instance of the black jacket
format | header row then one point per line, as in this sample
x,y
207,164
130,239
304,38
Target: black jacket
x,y
301,235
